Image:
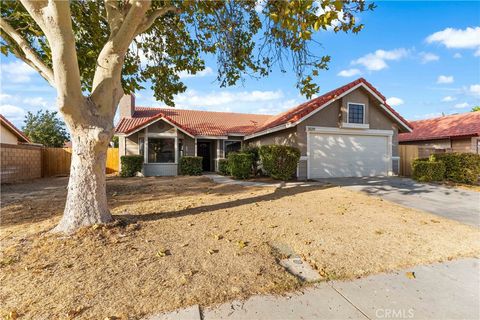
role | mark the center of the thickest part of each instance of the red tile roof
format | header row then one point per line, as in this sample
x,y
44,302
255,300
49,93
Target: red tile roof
x,y
458,125
195,122
208,123
14,129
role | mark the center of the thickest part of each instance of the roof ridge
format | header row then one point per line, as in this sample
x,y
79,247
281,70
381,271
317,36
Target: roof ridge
x,y
471,113
206,111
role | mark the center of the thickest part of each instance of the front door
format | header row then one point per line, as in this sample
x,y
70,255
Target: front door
x,y
203,150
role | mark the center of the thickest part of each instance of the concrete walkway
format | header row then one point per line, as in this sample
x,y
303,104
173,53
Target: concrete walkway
x,y
449,202
227,180
439,291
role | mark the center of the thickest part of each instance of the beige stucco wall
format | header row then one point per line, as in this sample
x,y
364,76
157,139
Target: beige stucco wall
x,y
6,136
462,145
332,115
436,144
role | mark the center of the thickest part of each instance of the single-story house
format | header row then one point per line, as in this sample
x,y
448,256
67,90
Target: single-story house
x,y
454,133
10,134
349,131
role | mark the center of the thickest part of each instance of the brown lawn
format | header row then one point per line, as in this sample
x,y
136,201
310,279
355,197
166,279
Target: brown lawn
x,y
186,240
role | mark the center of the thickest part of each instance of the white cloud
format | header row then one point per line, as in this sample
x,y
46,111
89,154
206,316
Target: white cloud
x,y
448,99
429,115
36,102
427,57
205,72
378,60
16,72
394,101
349,72
475,89
445,79
477,53
457,38
12,113
4,96
457,55
461,105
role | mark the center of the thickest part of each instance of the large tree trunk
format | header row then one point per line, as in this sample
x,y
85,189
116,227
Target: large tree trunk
x,y
87,198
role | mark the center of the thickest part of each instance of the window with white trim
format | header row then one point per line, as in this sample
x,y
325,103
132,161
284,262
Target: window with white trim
x,y
161,150
356,113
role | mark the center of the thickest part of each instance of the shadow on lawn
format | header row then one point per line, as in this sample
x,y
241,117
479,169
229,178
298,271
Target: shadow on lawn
x,y
277,194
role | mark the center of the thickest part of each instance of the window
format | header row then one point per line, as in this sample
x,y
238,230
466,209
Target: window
x,y
232,146
161,150
141,146
355,113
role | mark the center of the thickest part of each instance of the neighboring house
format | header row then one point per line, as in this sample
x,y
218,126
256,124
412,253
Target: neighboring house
x,y
10,134
454,133
350,131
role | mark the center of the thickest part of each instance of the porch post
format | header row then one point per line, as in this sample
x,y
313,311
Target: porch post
x,y
195,147
145,147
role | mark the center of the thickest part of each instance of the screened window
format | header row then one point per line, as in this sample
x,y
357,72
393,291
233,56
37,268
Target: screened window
x,y
355,113
161,150
232,146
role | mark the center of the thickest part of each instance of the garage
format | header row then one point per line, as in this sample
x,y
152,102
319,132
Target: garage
x,y
334,152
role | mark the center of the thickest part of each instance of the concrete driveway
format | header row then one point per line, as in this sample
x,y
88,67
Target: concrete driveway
x,y
453,203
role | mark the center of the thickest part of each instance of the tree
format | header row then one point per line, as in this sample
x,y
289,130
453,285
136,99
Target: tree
x,y
93,52
45,128
476,108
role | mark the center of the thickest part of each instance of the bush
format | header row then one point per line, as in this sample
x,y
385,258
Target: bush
x,y
460,167
253,150
279,162
240,164
223,167
426,170
131,165
190,166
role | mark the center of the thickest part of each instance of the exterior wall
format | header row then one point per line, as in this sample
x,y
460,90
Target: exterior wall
x,y
6,136
287,137
357,96
131,144
188,144
20,162
435,144
462,145
450,145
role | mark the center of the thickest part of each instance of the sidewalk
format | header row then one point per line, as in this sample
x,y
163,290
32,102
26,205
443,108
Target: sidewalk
x,y
448,290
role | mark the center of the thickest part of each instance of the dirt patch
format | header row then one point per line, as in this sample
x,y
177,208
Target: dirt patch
x,y
187,241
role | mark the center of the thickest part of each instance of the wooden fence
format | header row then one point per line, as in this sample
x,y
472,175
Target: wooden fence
x,y
408,153
56,161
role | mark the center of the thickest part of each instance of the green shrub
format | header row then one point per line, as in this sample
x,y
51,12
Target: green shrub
x,y
130,165
223,167
460,167
279,162
426,170
240,164
253,150
191,166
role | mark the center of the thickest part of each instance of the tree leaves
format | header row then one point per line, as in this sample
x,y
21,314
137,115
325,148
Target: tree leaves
x,y
46,128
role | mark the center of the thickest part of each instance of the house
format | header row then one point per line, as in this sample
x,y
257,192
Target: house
x,y
349,131
454,133
10,134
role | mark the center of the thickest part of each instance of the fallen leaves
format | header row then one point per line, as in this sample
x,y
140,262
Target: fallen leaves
x,y
410,275
163,253
212,251
242,244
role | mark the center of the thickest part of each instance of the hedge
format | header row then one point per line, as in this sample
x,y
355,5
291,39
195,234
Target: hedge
x,y
130,165
190,166
223,167
253,150
240,164
279,162
460,167
426,170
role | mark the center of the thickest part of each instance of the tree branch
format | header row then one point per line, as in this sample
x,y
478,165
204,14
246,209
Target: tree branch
x,y
150,20
114,16
54,18
28,54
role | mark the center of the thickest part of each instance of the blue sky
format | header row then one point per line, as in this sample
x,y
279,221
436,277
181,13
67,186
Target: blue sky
x,y
423,56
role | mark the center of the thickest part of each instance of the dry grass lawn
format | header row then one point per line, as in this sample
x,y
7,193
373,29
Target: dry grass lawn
x,y
186,240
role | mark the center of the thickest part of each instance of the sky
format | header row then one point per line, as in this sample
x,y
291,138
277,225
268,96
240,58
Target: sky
x,y
423,56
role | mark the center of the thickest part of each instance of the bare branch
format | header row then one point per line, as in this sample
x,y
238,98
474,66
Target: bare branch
x,y
54,18
114,16
150,20
27,54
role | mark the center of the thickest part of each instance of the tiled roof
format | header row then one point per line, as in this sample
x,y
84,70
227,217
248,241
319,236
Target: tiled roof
x,y
465,124
14,129
206,123
297,113
195,122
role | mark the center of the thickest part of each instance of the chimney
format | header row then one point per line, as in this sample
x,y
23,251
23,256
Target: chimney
x,y
127,106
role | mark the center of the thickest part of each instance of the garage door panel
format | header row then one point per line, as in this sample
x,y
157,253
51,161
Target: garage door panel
x,y
338,155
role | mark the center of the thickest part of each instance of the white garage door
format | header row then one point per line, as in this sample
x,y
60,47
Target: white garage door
x,y
346,155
